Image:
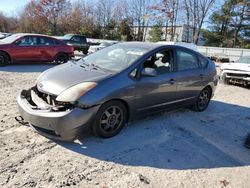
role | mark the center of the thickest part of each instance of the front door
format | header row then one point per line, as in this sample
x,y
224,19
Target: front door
x,y
26,50
158,91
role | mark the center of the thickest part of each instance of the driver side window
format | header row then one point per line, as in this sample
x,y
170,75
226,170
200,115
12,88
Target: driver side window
x,y
161,61
27,41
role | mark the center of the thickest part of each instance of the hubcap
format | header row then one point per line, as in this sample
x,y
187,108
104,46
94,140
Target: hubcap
x,y
111,119
203,98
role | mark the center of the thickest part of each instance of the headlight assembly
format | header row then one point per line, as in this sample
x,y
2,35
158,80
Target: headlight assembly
x,y
73,93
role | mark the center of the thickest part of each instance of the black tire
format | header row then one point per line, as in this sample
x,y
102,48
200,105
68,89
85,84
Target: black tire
x,y
110,119
224,80
85,52
3,59
61,58
202,100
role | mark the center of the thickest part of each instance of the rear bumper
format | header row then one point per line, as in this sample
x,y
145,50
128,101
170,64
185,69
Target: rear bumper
x,y
64,125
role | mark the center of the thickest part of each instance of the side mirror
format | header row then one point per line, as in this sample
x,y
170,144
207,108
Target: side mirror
x,y
149,72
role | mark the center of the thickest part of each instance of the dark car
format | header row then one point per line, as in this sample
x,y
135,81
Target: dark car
x,y
29,48
104,90
79,42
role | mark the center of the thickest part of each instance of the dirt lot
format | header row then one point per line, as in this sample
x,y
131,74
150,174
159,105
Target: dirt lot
x,y
171,149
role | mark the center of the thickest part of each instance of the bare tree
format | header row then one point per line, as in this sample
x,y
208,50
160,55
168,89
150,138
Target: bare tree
x,y
196,12
52,10
104,11
139,11
167,11
241,9
30,21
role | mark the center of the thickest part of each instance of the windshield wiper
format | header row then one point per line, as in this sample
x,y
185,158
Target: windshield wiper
x,y
83,64
96,66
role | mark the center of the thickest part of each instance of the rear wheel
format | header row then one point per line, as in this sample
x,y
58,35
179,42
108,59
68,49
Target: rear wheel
x,y
85,52
202,100
110,119
3,59
61,58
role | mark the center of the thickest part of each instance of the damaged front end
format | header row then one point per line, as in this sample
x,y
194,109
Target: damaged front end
x,y
236,77
52,118
43,101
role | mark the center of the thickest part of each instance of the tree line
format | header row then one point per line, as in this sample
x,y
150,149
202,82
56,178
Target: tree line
x,y
220,23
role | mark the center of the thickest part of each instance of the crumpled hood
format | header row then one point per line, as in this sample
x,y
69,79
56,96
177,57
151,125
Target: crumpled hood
x,y
57,79
236,66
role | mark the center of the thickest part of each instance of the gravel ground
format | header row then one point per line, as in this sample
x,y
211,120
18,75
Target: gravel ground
x,y
172,149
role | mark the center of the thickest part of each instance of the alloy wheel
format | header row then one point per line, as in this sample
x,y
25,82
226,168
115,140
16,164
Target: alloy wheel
x,y
203,99
111,119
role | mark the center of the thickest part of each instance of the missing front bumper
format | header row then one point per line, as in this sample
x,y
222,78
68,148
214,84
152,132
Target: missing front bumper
x,y
59,125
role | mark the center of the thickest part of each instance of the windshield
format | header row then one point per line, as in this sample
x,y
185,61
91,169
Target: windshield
x,y
105,44
67,37
11,38
245,60
115,58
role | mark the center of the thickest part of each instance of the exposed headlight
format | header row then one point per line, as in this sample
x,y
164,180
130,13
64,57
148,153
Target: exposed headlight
x,y
75,92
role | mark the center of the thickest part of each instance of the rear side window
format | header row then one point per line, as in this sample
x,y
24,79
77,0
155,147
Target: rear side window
x,y
46,41
56,42
186,60
203,61
83,39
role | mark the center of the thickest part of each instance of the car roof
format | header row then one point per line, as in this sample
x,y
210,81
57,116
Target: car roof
x,y
150,45
29,34
75,35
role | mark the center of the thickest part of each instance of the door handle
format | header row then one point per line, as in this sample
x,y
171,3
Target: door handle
x,y
171,81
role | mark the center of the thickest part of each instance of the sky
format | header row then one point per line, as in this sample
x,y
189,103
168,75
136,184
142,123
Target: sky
x,y
13,7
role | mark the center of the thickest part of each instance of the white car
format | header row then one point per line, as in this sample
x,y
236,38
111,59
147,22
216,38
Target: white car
x,y
236,72
95,48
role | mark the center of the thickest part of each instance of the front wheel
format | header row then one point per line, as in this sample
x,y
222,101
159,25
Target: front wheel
x,y
203,100
110,119
61,58
3,59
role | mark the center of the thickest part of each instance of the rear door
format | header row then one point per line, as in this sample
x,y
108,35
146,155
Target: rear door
x,y
190,77
156,93
47,49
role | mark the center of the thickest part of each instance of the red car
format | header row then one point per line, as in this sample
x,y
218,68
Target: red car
x,y
29,48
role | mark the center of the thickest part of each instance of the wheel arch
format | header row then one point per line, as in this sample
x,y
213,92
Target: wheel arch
x,y
210,88
8,55
61,53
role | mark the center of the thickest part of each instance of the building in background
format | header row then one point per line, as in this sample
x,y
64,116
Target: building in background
x,y
181,34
